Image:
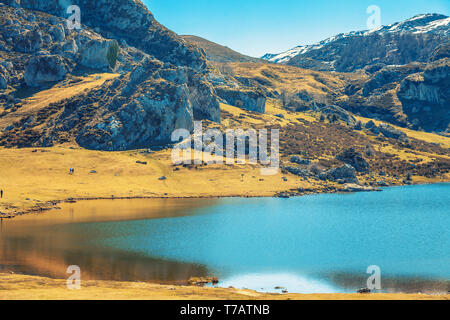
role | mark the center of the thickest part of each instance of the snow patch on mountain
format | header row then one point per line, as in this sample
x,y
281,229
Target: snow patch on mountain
x,y
423,23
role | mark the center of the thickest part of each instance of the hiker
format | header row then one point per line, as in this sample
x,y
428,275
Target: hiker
x,y
1,194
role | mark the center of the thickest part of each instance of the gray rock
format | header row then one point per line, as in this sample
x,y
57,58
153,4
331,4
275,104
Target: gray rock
x,y
301,161
425,97
252,99
29,41
299,171
3,82
57,33
44,69
355,159
100,54
390,132
340,113
346,173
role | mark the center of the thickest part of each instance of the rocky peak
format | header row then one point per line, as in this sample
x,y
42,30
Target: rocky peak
x,y
128,20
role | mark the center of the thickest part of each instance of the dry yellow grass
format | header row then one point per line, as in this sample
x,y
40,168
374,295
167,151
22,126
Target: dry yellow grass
x,y
419,135
55,94
31,178
22,287
289,78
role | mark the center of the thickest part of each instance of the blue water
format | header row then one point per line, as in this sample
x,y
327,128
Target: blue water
x,y
318,243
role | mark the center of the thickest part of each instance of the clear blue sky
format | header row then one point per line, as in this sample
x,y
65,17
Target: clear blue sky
x,y
256,27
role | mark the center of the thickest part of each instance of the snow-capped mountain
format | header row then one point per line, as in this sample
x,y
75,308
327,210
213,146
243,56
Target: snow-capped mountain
x,y
415,39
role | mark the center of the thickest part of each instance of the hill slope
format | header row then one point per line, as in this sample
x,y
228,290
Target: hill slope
x,y
218,53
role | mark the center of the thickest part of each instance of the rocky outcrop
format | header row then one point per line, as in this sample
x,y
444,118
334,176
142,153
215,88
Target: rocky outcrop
x,y
355,159
339,113
99,54
387,130
390,132
45,69
344,174
131,21
425,97
138,110
162,86
252,99
301,161
29,41
3,77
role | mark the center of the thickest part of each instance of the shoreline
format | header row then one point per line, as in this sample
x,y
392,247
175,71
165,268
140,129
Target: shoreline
x,y
25,287
53,204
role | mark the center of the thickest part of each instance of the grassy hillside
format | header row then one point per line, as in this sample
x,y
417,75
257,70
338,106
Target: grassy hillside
x,y
218,53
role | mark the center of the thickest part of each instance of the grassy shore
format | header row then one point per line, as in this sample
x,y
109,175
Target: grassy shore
x,y
22,287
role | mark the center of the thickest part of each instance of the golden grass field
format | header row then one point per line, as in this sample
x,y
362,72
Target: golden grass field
x,y
22,287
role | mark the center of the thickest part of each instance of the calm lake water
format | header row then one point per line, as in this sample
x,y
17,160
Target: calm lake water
x,y
318,243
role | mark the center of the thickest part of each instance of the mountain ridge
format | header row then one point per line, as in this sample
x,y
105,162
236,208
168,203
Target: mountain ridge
x,y
327,55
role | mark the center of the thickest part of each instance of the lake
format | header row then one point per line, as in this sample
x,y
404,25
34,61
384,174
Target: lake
x,y
317,243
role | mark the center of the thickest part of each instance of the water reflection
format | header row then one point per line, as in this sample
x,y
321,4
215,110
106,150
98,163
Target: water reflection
x,y
47,244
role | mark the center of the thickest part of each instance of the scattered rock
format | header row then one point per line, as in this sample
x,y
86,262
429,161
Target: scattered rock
x,y
201,281
346,173
45,69
364,290
29,41
355,159
298,160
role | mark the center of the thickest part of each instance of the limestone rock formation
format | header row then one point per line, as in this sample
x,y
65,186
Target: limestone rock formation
x,y
426,97
45,69
99,54
355,159
346,174
252,99
162,84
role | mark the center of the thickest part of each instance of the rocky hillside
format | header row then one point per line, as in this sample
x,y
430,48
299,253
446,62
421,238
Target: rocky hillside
x,y
390,64
423,38
161,84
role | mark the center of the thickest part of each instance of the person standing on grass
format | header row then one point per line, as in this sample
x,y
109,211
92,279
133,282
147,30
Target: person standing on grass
x,y
1,194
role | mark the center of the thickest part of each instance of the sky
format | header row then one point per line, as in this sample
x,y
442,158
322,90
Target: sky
x,y
257,27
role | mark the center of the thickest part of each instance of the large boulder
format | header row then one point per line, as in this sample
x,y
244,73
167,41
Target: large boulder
x,y
390,132
355,159
100,54
29,41
57,33
340,113
346,174
41,70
